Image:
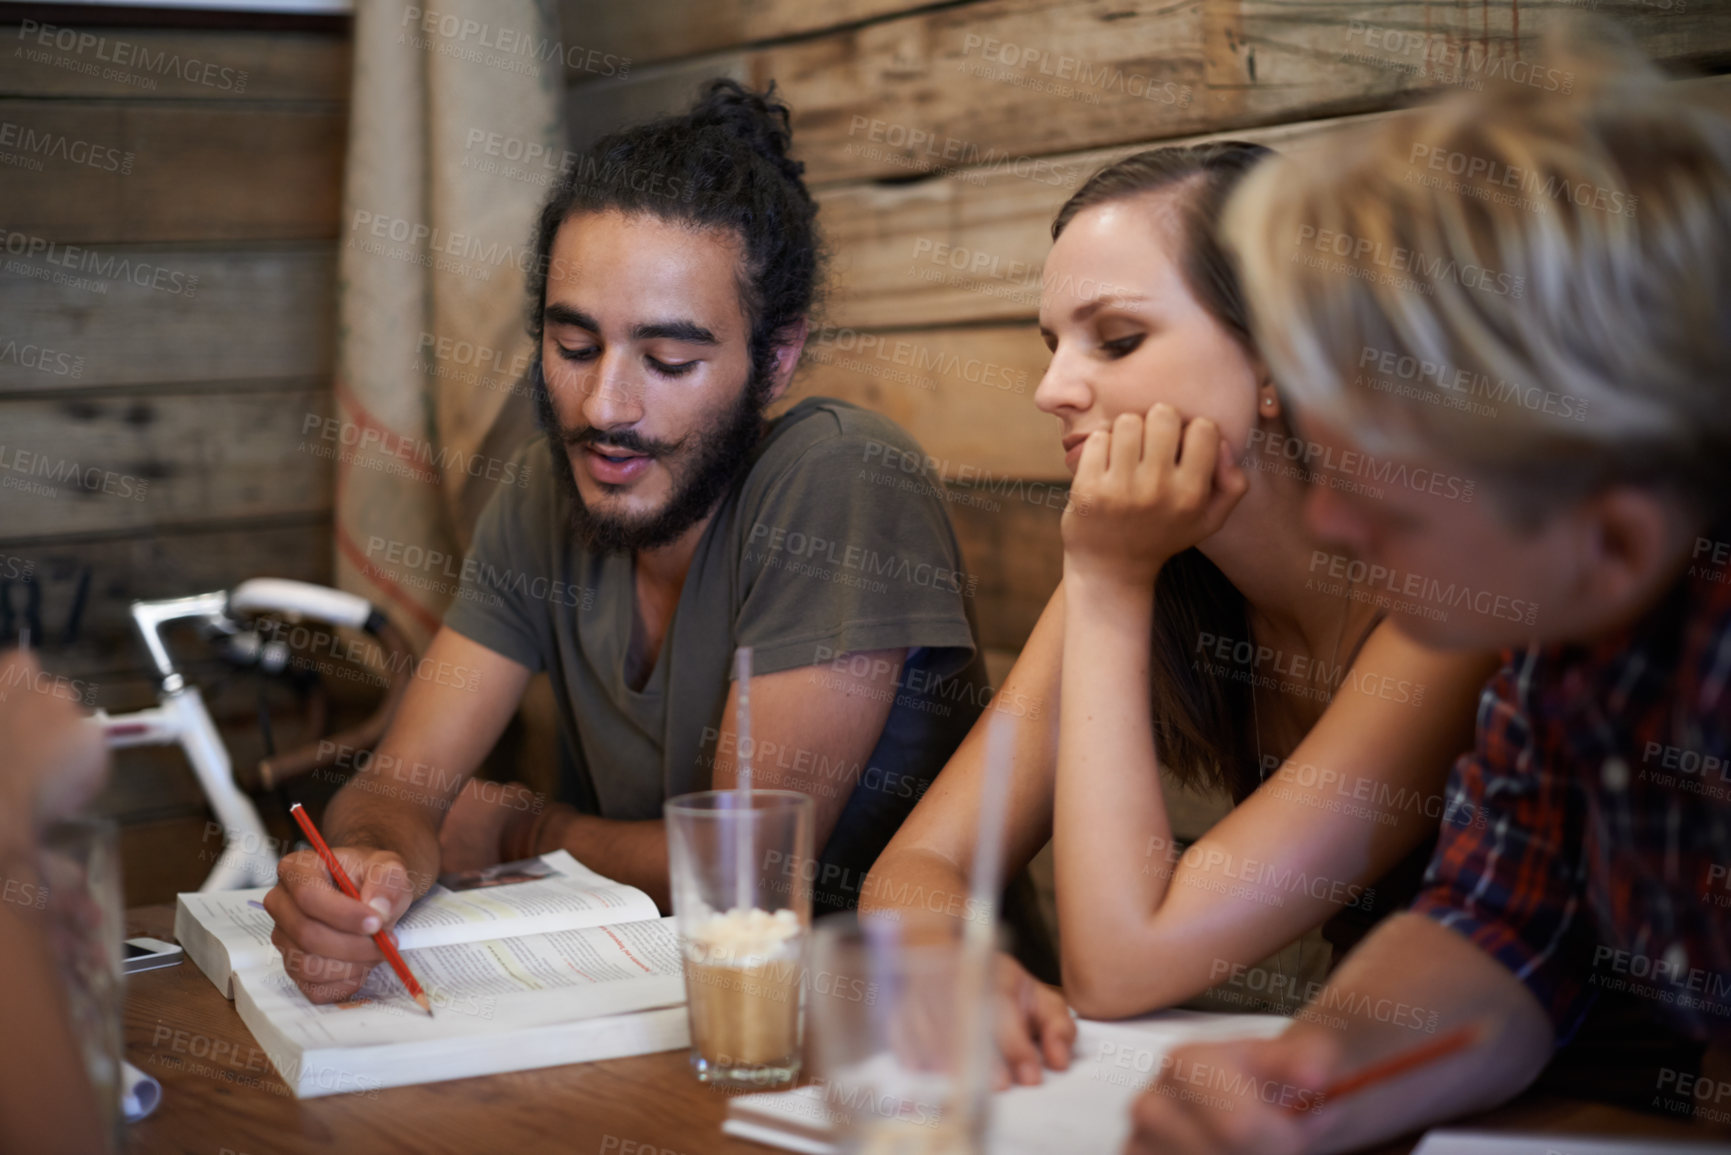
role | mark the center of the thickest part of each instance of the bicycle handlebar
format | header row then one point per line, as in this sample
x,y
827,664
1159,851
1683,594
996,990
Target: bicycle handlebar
x,y
321,603
296,600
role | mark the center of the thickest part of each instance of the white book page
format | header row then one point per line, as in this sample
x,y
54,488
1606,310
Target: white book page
x,y
571,896
237,920
486,987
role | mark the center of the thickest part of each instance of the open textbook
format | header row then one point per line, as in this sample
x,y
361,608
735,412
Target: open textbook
x,y
529,964
1083,1109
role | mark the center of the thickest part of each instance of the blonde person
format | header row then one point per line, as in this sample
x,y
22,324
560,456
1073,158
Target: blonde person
x,y
1194,637
1588,322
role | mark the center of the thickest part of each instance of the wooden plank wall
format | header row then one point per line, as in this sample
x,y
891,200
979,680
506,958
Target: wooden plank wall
x,y
942,137
167,265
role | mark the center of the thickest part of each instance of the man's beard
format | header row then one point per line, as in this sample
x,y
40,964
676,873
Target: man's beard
x,y
720,453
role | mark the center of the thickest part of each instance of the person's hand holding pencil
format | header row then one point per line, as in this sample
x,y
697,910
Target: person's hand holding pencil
x,y
325,936
1269,1096
340,876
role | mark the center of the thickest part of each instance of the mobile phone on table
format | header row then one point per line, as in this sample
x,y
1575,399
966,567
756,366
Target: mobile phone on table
x,y
146,954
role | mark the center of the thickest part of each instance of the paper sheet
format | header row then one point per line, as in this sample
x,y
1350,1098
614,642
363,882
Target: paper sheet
x,y
1086,1108
1486,1143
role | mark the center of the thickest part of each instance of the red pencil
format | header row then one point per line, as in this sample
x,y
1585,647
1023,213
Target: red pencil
x,y
1399,1064
347,886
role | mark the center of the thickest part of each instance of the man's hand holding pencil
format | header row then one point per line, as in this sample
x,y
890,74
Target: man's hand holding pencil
x,y
326,937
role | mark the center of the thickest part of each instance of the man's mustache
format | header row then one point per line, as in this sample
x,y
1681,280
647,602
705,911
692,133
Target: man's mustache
x,y
624,440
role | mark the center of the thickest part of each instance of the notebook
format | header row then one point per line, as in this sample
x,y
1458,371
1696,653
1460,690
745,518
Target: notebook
x,y
1086,1108
528,964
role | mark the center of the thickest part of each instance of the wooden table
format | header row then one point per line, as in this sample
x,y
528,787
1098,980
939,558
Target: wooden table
x,y
220,1096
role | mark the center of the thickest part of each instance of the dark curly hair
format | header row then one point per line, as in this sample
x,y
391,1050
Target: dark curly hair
x,y
721,164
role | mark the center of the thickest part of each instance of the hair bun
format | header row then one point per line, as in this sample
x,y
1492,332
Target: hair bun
x,y
759,119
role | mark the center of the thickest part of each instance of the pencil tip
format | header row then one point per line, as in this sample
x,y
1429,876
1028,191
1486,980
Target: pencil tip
x,y
425,1004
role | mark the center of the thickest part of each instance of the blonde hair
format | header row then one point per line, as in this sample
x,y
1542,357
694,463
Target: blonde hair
x,y
1532,281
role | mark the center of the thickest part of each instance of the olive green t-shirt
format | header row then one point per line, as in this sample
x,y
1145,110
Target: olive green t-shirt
x,y
816,552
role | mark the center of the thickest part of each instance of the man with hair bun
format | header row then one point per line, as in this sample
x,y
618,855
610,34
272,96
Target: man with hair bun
x,y
1533,290
667,521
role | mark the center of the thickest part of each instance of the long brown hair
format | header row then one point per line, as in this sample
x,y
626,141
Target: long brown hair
x,y
1202,724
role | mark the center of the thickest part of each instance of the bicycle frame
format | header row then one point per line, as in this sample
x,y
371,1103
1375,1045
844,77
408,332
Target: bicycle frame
x,y
249,854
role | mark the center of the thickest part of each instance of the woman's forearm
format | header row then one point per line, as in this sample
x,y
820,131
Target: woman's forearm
x,y
1111,829
914,879
1284,860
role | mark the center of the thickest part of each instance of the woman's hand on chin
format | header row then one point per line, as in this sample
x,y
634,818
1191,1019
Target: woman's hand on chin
x,y
1149,488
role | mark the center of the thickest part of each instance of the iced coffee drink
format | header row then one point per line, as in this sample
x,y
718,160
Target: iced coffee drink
x,y
738,867
742,981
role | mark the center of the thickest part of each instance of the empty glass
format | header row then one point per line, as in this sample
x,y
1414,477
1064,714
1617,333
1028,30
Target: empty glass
x,y
901,1032
79,864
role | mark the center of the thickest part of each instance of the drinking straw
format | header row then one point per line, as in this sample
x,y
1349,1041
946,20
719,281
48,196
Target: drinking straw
x,y
742,742
989,841
979,937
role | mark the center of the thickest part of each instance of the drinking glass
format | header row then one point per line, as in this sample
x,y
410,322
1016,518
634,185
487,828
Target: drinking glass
x,y
79,865
901,1016
740,867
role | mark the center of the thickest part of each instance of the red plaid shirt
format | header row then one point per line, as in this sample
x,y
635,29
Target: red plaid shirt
x,y
1604,775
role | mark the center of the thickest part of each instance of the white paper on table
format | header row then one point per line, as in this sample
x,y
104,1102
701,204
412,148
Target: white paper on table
x,y
1083,1109
1487,1143
1087,1108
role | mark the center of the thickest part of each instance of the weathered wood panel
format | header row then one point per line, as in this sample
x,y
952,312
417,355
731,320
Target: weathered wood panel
x,y
145,171
966,394
971,246
1011,545
74,317
1267,59
39,58
601,106
74,593
93,464
154,388
643,33
1004,84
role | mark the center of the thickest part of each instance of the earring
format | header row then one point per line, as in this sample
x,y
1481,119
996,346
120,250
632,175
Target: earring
x,y
1268,402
